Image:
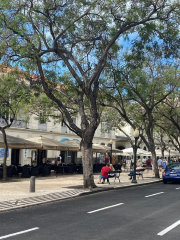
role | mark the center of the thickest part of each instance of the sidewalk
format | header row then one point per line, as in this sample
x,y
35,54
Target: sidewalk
x,y
15,193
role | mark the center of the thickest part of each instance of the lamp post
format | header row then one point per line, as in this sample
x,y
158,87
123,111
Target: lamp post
x,y
111,143
136,136
169,155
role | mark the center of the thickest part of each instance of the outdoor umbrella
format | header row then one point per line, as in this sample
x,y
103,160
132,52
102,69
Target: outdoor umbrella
x,y
98,148
72,145
16,142
130,150
50,144
102,148
147,154
159,153
123,154
174,153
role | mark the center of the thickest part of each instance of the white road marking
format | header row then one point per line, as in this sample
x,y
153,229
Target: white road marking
x,y
169,228
100,209
18,233
154,194
178,188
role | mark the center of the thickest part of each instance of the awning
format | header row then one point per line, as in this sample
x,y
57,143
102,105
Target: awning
x,y
64,140
50,144
16,142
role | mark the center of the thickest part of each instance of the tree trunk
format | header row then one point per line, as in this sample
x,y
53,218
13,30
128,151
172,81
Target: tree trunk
x,y
5,155
156,170
87,160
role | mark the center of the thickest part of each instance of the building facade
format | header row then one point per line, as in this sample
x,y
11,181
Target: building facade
x,y
52,130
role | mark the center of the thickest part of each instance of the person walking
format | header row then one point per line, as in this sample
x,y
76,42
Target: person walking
x,y
164,163
144,161
159,163
148,164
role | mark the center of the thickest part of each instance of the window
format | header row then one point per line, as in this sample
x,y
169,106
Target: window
x,y
42,118
173,167
63,124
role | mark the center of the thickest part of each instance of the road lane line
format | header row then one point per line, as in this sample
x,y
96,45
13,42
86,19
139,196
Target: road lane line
x,y
169,228
18,233
178,188
100,209
154,194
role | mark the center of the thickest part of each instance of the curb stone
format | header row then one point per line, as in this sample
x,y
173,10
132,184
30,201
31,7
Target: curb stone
x,y
96,190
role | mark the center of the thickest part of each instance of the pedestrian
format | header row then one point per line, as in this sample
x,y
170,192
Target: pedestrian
x,y
107,159
139,163
59,160
44,160
104,172
144,161
164,163
159,163
148,164
139,172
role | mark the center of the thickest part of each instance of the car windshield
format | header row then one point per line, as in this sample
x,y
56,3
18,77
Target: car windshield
x,y
173,167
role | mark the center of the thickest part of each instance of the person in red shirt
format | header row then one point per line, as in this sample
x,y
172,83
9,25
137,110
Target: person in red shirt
x,y
107,159
104,172
148,164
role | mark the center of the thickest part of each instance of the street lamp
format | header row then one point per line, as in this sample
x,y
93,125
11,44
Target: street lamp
x,y
136,136
111,143
169,154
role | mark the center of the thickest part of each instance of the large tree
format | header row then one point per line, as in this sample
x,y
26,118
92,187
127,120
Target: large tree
x,y
137,90
49,38
169,120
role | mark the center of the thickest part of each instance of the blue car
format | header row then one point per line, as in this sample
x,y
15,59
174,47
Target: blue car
x,y
171,173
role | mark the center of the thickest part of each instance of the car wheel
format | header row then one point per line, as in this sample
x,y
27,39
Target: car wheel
x,y
164,181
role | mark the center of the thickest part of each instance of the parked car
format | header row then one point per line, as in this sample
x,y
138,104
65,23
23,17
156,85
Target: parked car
x,y
171,173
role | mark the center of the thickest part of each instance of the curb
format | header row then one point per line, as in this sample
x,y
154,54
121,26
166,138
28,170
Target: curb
x,y
95,190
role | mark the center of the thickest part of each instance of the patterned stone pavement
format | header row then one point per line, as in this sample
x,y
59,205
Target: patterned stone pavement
x,y
15,192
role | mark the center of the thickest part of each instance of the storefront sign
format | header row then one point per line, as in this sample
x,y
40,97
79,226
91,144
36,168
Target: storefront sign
x,y
2,151
25,153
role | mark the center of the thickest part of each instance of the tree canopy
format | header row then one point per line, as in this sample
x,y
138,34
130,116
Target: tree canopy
x,y
70,42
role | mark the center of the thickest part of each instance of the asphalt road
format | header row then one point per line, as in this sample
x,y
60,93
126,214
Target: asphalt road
x,y
143,213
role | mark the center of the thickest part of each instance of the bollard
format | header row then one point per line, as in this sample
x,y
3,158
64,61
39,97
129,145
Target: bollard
x,y
32,184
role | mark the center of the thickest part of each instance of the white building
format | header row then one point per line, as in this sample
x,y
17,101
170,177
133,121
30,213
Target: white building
x,y
50,130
